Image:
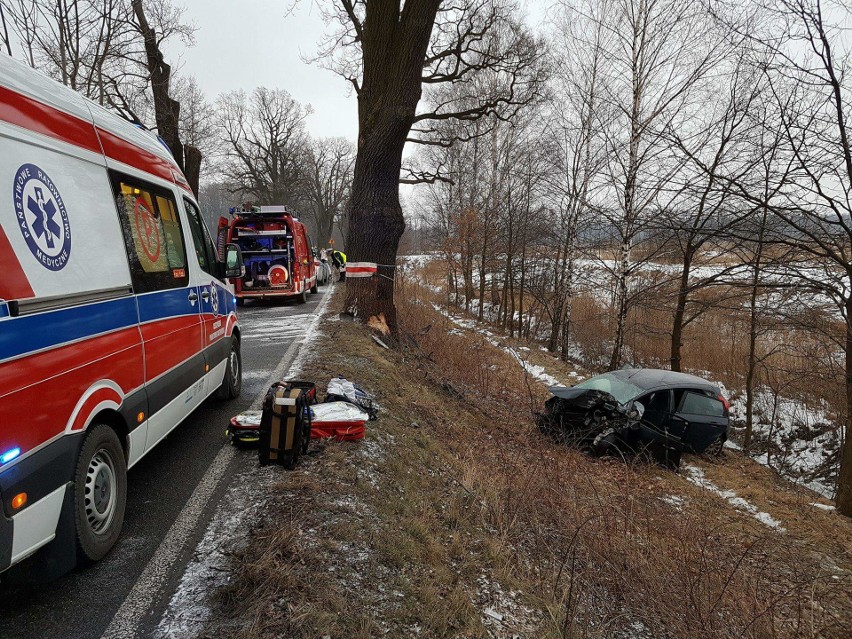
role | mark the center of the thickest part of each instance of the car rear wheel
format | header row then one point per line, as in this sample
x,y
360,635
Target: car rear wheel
x,y
100,493
314,288
715,449
232,383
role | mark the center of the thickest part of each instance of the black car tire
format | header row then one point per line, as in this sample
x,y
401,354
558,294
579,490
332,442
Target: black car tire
x,y
100,493
302,297
232,383
314,288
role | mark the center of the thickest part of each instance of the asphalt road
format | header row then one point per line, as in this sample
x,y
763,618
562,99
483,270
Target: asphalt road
x,y
82,604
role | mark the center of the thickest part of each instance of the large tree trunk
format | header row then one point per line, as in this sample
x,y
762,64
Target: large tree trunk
x,y
192,166
680,312
394,46
844,480
375,226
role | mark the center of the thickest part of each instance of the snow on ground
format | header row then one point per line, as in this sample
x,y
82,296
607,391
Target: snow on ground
x,y
795,439
536,372
418,261
501,612
828,507
695,475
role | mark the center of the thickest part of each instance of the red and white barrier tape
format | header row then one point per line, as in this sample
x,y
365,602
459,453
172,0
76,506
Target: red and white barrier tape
x,y
361,269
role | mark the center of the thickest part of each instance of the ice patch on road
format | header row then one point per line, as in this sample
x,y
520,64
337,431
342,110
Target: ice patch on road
x,y
696,476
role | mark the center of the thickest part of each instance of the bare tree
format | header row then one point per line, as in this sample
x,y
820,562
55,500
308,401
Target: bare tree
x,y
576,149
264,144
166,107
87,45
399,49
655,53
805,70
718,141
326,182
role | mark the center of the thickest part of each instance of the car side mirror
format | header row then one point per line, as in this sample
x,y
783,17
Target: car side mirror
x,y
234,266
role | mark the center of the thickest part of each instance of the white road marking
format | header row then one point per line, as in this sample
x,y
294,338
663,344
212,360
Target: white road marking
x,y
137,605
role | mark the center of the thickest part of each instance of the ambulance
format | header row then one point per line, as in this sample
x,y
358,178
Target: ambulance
x,y
116,319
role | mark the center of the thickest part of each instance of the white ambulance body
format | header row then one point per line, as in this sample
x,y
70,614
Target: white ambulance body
x,y
115,319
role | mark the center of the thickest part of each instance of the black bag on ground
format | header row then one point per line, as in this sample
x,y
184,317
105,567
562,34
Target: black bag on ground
x,y
285,425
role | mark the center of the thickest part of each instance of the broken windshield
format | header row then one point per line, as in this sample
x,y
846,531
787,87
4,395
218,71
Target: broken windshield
x,y
622,390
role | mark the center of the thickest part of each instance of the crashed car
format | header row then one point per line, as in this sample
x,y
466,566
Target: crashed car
x,y
647,410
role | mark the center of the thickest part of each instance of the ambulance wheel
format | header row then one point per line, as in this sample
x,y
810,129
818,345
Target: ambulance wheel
x,y
302,297
100,493
314,288
233,381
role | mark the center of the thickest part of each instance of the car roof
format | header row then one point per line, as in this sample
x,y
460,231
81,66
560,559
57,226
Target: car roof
x,y
651,378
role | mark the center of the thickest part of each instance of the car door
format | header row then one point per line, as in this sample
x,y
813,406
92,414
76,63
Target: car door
x,y
657,406
701,416
215,298
166,299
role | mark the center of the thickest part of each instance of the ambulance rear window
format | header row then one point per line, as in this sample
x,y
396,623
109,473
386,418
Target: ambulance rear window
x,y
152,231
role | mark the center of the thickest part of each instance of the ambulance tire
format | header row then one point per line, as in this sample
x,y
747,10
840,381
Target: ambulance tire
x,y
302,297
314,288
100,493
232,383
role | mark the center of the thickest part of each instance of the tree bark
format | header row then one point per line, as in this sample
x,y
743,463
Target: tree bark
x,y
394,42
844,479
680,311
192,166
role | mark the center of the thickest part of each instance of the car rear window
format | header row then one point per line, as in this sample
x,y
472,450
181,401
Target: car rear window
x,y
696,403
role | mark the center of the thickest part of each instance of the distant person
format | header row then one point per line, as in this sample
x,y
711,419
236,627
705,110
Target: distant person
x,y
338,258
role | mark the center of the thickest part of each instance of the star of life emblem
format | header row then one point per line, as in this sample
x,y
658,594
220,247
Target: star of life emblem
x,y
214,298
42,218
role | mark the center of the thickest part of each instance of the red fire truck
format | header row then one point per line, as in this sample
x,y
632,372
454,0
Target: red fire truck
x,y
279,260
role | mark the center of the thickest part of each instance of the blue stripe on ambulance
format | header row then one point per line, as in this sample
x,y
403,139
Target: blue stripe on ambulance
x,y
29,333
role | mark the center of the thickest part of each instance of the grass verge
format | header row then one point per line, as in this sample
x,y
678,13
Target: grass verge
x,y
455,518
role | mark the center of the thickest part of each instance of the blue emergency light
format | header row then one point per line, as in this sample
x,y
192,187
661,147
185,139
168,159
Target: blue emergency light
x,y
9,455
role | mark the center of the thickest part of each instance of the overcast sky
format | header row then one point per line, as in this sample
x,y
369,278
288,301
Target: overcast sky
x,y
251,43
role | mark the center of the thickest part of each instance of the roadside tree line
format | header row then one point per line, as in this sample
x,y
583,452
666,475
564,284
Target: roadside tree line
x,y
677,195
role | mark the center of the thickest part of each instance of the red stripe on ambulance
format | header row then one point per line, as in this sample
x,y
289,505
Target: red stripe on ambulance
x,y
41,396
99,396
14,284
121,150
38,117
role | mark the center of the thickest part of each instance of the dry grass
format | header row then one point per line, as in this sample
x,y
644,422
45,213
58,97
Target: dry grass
x,y
454,504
